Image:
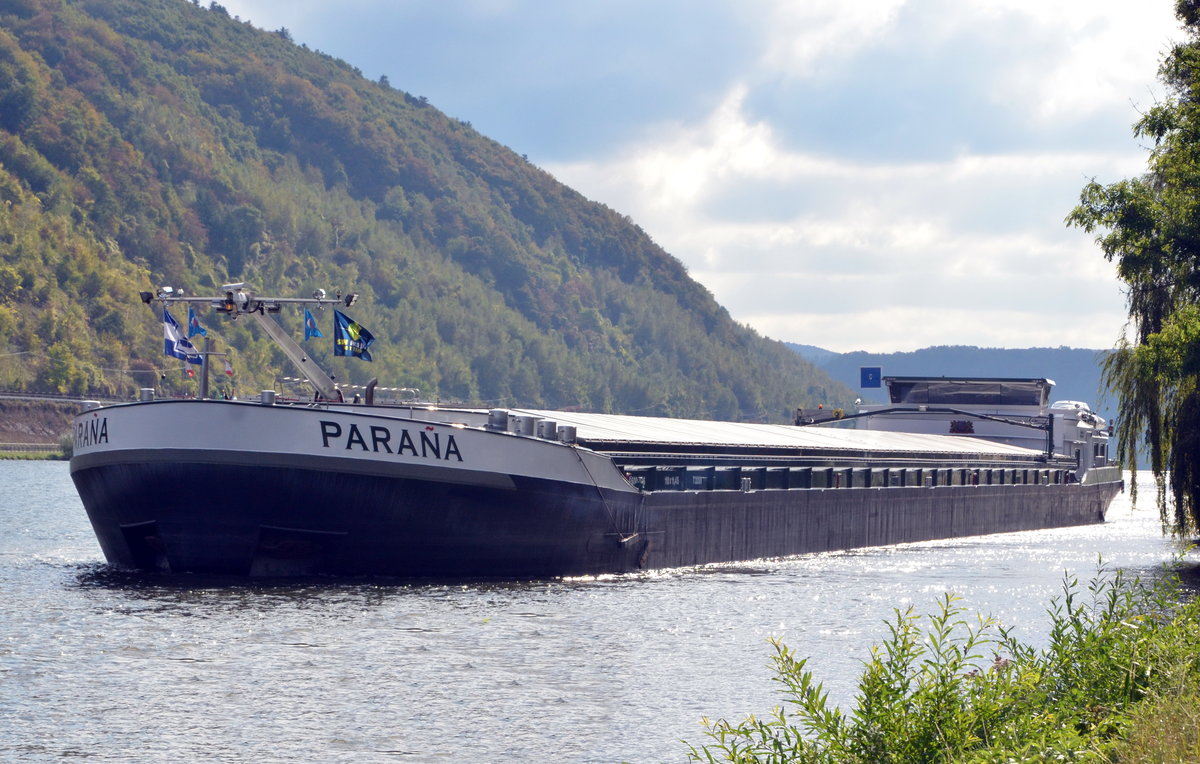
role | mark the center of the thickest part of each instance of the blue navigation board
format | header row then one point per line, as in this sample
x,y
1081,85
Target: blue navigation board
x,y
870,376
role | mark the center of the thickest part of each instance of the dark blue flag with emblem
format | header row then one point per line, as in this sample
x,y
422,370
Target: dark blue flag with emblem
x,y
194,326
350,337
310,326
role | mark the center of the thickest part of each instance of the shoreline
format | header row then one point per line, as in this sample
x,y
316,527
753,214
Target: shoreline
x,y
35,429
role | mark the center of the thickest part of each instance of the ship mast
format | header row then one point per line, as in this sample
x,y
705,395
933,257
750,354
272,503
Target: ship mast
x,y
240,301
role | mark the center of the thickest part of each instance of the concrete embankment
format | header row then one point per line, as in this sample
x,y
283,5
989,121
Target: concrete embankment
x,y
33,425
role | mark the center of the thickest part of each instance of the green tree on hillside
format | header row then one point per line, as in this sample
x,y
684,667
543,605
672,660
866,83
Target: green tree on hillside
x,y
163,142
1150,226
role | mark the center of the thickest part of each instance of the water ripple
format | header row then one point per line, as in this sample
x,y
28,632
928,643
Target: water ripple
x,y
117,666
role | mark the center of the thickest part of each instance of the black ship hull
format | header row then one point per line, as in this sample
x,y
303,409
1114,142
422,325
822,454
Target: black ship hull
x,y
165,511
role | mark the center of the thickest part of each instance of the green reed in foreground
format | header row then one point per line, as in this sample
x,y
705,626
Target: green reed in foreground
x,y
958,688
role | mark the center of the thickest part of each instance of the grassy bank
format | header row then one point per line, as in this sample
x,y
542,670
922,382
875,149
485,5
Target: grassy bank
x,y
1118,682
57,455
48,451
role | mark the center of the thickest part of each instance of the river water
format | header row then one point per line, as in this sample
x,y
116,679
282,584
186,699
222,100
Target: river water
x,y
106,667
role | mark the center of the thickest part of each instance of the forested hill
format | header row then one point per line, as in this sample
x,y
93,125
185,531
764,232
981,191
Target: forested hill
x,y
160,142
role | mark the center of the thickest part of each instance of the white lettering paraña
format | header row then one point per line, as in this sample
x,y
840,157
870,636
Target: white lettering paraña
x,y
380,439
92,432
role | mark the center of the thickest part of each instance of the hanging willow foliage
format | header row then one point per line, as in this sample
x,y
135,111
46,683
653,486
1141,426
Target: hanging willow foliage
x,y
1150,227
1185,461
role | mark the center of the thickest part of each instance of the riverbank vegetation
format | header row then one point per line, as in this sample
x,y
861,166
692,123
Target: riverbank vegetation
x,y
33,456
1119,681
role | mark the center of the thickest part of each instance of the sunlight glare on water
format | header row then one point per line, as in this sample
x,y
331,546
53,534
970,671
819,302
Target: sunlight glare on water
x,y
112,667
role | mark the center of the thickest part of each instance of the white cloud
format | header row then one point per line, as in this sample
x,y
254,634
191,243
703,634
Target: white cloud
x,y
681,165
880,174
891,329
1082,56
918,241
1054,57
807,37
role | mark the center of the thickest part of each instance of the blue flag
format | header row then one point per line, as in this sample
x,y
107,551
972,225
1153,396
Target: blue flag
x,y
350,337
310,326
194,326
174,343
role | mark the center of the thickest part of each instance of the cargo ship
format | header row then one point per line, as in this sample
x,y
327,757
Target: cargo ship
x,y
271,487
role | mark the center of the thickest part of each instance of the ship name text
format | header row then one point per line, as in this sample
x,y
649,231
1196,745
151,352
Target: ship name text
x,y
91,432
428,444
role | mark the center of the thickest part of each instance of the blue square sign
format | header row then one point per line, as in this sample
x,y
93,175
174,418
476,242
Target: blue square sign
x,y
870,376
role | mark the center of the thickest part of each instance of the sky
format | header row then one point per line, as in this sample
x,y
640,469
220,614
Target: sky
x,y
879,175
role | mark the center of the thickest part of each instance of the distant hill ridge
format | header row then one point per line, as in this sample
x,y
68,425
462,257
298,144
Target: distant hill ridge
x,y
1075,371
162,142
